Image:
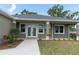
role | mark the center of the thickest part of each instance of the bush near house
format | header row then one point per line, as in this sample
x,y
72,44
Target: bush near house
x,y
10,41
73,36
14,33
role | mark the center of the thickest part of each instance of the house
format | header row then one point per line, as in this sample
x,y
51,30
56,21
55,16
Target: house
x,y
5,23
38,26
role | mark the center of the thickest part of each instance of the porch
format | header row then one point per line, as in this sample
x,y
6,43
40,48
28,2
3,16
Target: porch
x,y
45,30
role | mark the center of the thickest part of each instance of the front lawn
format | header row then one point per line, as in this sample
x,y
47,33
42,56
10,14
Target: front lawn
x,y
51,47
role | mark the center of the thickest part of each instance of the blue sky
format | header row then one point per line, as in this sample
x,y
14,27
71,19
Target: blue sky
x,y
39,8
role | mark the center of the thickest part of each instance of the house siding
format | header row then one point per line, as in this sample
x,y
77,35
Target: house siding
x,y
41,36
23,35
52,35
5,25
65,35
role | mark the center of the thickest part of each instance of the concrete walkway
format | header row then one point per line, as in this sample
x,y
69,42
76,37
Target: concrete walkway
x,y
27,47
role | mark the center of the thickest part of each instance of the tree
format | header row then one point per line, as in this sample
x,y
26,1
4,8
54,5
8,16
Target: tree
x,y
57,10
74,15
25,12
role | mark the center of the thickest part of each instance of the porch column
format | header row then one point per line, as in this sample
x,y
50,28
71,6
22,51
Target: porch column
x,y
14,24
47,30
77,31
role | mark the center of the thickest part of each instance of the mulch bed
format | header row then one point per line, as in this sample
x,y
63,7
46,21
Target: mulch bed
x,y
10,45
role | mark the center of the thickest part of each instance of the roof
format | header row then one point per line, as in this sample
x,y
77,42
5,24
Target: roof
x,y
33,16
43,18
38,17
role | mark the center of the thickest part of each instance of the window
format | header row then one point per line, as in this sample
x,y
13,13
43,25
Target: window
x,y
22,27
29,31
41,28
59,29
56,29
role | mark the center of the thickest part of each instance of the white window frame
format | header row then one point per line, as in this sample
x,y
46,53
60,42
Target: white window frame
x,y
59,32
70,30
20,27
43,29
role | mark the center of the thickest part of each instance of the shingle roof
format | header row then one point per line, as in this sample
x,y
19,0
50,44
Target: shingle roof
x,y
43,18
37,17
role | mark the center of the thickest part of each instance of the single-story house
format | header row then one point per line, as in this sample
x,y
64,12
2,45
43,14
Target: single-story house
x,y
37,26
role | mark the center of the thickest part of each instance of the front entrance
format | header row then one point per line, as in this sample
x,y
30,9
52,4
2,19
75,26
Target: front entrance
x,y
31,31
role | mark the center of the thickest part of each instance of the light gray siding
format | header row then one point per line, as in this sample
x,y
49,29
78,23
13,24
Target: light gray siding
x,y
22,35
30,22
40,36
5,25
78,29
65,35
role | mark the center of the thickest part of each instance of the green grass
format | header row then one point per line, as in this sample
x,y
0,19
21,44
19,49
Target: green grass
x,y
51,47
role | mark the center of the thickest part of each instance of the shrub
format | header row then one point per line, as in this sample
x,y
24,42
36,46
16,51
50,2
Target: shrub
x,y
73,36
15,33
11,39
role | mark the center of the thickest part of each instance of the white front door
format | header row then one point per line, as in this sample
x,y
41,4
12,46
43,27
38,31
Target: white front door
x,y
31,31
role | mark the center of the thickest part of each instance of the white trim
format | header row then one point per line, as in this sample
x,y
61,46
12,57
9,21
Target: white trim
x,y
47,37
67,20
20,28
71,31
31,32
77,38
31,25
43,29
63,29
47,22
34,24
14,21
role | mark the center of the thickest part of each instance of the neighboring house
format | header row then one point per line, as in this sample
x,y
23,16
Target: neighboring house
x,y
5,23
40,27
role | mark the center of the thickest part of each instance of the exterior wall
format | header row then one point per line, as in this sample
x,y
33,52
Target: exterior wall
x,y
65,35
52,35
77,35
5,26
23,35
40,36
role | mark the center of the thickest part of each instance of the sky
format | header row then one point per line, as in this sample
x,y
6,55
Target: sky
x,y
39,8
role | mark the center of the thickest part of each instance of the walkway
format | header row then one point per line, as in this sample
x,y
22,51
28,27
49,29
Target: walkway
x,y
27,47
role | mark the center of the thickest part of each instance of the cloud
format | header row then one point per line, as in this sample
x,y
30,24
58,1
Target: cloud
x,y
13,8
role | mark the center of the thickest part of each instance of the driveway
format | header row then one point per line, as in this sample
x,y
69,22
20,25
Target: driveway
x,y
27,47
